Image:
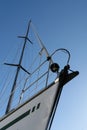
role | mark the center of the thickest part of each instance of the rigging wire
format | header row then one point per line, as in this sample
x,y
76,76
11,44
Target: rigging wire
x,y
40,42
21,95
2,91
5,86
30,68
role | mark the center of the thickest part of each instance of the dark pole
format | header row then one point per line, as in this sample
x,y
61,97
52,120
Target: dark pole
x,y
17,72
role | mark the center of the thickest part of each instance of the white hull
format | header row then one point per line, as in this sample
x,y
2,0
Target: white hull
x,y
34,114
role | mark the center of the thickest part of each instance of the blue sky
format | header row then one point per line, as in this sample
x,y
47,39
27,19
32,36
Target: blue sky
x,y
60,23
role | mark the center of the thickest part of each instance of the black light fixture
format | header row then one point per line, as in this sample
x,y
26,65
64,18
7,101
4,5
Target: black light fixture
x,y
54,67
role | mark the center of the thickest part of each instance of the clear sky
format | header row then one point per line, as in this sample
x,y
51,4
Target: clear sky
x,y
60,23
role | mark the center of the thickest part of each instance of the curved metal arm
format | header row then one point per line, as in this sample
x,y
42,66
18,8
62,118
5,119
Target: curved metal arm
x,y
64,50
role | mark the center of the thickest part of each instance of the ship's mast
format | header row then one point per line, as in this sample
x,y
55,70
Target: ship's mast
x,y
19,66
18,69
